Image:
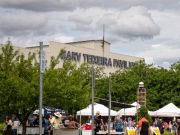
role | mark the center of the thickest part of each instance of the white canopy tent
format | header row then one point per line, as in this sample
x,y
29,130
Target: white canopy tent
x,y
169,110
129,111
97,107
151,113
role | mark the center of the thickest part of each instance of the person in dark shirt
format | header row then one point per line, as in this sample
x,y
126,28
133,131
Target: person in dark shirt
x,y
46,125
8,130
145,128
36,120
160,126
30,120
97,122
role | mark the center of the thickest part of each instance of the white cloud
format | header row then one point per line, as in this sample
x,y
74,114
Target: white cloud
x,y
162,55
128,24
168,21
61,38
85,20
40,5
21,23
81,16
27,40
135,22
156,45
67,5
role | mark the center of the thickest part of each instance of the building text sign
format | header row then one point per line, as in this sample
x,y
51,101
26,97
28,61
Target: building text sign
x,y
98,60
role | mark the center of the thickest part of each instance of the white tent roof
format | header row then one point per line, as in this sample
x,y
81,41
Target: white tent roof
x,y
169,110
151,113
129,111
97,107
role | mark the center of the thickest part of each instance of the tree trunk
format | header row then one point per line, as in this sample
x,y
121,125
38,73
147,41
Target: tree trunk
x,y
24,128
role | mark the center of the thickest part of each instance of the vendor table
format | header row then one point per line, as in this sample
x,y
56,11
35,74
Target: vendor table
x,y
65,131
86,132
111,133
33,130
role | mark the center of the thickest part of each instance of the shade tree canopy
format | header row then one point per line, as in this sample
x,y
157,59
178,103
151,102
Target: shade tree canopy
x,y
69,87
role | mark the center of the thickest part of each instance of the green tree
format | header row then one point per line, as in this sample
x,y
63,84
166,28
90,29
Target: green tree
x,y
67,87
18,83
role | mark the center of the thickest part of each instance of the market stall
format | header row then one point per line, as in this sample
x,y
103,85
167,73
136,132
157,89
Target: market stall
x,y
97,107
169,110
129,111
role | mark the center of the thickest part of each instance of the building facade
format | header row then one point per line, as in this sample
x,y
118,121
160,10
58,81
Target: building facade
x,y
96,52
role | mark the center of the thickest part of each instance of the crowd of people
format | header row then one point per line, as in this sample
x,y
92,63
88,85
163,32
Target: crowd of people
x,y
49,122
11,125
143,127
118,124
146,128
53,121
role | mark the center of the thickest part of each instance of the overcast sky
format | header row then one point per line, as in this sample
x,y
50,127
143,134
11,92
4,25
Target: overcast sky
x,y
145,28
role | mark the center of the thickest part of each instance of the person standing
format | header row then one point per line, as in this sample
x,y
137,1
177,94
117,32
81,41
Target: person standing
x,y
8,130
8,121
174,128
170,126
56,120
30,120
46,125
178,126
144,129
160,126
118,124
16,124
97,122
130,122
143,119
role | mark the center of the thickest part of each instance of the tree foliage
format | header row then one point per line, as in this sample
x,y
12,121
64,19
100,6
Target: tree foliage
x,y
69,87
143,112
162,85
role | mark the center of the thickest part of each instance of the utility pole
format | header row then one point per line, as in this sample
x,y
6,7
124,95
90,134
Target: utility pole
x,y
103,39
42,69
109,113
92,99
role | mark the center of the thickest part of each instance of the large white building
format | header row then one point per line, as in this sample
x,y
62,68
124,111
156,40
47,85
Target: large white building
x,y
95,52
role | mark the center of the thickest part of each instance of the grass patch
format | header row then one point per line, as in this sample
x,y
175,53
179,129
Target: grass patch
x,y
1,128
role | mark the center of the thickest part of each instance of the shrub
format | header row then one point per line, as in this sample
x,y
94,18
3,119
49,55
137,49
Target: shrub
x,y
1,128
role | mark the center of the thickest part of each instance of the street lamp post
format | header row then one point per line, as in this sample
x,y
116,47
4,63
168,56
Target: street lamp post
x,y
92,99
42,69
109,113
